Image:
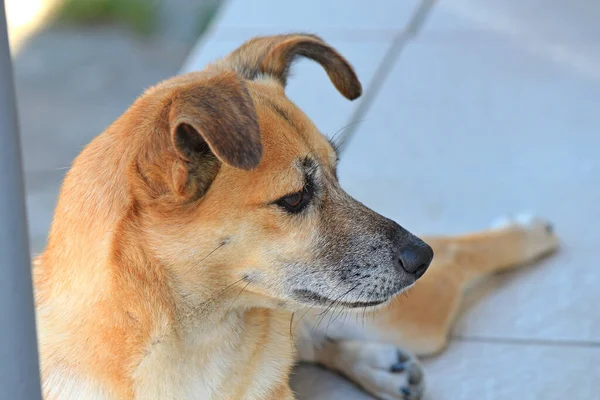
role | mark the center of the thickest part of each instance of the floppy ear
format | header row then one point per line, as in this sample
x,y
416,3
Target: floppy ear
x,y
273,56
216,116
211,122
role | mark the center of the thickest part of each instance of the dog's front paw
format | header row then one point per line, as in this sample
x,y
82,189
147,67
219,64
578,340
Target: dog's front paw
x,y
540,237
382,370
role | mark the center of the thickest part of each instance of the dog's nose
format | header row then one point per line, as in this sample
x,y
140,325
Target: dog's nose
x,y
415,257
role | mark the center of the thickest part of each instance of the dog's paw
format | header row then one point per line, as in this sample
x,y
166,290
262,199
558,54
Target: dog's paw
x,y
540,237
382,370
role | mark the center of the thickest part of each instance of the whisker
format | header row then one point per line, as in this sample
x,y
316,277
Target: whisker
x,y
292,340
343,128
341,311
238,295
365,309
339,144
189,270
339,300
333,303
211,299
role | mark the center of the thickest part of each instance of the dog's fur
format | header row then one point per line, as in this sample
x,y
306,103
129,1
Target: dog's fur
x,y
176,270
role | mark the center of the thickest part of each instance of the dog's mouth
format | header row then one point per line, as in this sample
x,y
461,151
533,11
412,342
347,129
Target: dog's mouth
x,y
307,296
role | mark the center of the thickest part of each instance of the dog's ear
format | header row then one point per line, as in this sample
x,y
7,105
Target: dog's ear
x,y
210,123
273,56
216,116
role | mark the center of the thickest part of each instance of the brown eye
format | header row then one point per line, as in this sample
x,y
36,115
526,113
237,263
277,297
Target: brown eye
x,y
295,202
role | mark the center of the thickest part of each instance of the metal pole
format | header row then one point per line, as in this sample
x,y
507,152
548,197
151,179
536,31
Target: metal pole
x,y
19,365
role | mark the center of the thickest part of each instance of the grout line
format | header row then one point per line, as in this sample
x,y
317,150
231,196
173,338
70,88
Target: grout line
x,y
412,29
529,342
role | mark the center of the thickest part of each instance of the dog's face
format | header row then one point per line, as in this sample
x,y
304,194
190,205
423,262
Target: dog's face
x,y
245,198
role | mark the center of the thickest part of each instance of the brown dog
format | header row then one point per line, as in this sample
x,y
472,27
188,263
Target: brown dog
x,y
207,223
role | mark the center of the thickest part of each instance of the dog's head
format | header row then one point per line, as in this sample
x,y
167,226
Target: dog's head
x,y
235,188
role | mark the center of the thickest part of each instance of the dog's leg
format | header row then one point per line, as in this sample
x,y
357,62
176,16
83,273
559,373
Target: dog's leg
x,y
509,243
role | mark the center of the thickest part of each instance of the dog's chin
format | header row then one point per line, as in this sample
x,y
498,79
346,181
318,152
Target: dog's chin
x,y
314,299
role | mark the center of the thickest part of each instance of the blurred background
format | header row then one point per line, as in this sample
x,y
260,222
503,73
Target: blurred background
x,y
472,109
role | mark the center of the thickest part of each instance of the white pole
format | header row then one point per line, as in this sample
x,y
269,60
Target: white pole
x,y
19,365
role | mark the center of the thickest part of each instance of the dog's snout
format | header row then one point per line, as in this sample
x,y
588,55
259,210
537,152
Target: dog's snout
x,y
415,257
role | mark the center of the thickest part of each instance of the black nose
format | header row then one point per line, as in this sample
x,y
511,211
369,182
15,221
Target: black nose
x,y
415,257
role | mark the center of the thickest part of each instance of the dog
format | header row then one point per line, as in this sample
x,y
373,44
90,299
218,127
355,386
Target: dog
x,y
198,241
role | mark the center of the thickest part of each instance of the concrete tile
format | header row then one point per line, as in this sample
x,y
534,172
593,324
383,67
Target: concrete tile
x,y
316,15
490,371
310,87
464,131
483,371
564,31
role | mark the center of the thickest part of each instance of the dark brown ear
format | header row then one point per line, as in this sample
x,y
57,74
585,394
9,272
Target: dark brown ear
x,y
273,56
216,116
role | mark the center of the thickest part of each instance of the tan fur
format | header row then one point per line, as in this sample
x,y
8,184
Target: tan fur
x,y
162,275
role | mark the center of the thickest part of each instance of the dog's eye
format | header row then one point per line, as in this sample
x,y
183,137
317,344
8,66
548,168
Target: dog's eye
x,y
296,202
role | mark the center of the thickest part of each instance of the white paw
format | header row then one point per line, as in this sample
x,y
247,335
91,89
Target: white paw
x,y
382,370
540,238
523,219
